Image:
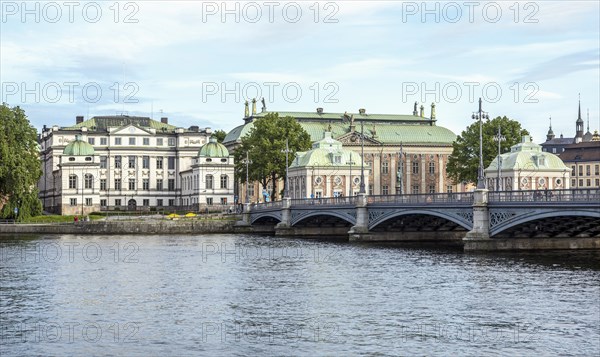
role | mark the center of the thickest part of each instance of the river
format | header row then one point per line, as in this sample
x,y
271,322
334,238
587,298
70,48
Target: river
x,y
249,295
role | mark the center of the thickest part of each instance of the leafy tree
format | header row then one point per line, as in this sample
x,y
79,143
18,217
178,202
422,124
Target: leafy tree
x,y
219,135
265,145
20,167
464,161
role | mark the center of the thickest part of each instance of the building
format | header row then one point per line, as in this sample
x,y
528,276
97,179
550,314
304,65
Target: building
x,y
117,162
584,161
527,167
557,145
327,170
425,147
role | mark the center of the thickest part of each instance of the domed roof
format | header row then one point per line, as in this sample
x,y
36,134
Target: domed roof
x,y
527,156
213,149
78,147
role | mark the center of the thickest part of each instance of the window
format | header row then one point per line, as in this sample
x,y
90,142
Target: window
x,y
171,202
159,185
572,170
132,184
573,182
171,184
597,170
171,141
118,161
209,182
88,181
431,188
117,202
72,181
159,202
432,167
132,162
171,163
159,163
103,160
385,190
146,142
580,182
146,202
580,170
92,141
415,189
554,150
103,141
159,142
415,168
146,184
449,189
371,189
73,201
103,185
597,182
385,167
117,185
588,170
145,162
223,200
88,201
251,190
224,181
103,202
209,201
131,141
117,141
588,182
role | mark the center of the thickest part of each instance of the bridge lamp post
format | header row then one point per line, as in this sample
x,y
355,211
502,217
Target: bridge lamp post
x,y
362,162
248,162
350,193
286,182
480,115
499,138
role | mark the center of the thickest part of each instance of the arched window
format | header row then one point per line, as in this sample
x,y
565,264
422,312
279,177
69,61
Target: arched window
x,y
224,180
72,181
209,182
88,181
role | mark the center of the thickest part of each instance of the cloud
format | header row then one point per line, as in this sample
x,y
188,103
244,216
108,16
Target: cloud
x,y
562,66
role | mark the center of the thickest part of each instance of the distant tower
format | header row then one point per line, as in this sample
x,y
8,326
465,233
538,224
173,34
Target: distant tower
x,y
579,125
550,134
588,135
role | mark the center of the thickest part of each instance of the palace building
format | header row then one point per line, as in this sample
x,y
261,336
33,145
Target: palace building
x,y
130,163
414,141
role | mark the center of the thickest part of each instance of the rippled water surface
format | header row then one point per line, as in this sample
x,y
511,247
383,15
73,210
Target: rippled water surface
x,y
239,295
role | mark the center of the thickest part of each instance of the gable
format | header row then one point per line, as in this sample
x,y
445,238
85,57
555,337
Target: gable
x,y
353,138
131,130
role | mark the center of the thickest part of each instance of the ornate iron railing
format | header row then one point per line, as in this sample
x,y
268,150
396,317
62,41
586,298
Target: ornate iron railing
x,y
459,198
329,201
541,196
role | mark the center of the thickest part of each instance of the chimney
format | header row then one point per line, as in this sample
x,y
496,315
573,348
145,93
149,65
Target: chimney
x,y
362,111
79,119
319,110
164,120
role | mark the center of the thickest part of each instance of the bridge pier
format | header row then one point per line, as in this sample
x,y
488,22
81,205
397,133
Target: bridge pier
x,y
284,228
481,221
360,231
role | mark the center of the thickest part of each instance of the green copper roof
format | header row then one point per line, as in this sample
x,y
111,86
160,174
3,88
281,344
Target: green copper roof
x,y
213,149
78,147
340,116
102,123
327,152
528,156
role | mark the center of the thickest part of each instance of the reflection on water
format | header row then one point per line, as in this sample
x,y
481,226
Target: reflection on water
x,y
256,295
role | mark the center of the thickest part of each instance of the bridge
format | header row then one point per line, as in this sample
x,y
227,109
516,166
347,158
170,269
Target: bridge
x,y
480,220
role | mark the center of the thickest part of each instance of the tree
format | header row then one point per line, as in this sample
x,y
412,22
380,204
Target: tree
x,y
464,161
219,135
20,167
265,145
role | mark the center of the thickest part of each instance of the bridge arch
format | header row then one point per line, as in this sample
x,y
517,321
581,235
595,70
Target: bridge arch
x,y
345,216
540,216
453,217
265,216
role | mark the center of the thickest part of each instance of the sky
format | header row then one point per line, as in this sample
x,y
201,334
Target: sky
x,y
197,62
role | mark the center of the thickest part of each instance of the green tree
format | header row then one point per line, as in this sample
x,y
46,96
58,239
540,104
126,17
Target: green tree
x,y
20,167
265,145
464,161
219,135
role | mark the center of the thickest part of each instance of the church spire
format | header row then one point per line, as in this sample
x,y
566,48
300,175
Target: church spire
x,y
579,114
550,134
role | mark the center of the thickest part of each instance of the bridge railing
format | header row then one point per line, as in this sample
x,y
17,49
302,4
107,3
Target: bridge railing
x,y
266,205
459,198
541,196
329,201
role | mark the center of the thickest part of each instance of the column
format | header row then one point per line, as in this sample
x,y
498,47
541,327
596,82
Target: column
x,y
423,168
408,189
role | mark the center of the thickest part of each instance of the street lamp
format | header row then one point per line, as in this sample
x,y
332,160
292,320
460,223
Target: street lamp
x,y
286,182
480,115
499,138
362,155
399,181
350,193
247,177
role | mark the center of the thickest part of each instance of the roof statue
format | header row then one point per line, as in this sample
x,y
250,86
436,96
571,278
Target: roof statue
x,y
264,106
253,106
246,110
415,109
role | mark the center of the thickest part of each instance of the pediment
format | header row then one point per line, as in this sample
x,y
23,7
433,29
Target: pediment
x,y
354,138
131,130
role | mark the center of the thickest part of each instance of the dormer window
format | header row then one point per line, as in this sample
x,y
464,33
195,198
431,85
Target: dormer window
x,y
71,159
209,160
88,158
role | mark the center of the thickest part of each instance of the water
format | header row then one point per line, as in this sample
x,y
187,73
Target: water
x,y
238,295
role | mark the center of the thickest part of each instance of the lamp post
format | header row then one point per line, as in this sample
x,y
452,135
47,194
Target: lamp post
x,y
247,177
362,161
350,193
399,181
286,182
499,138
480,115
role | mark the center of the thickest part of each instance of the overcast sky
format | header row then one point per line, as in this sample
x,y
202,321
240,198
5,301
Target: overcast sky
x,y
197,62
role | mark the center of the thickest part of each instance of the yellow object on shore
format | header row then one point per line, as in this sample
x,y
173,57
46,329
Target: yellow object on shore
x,y
190,214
